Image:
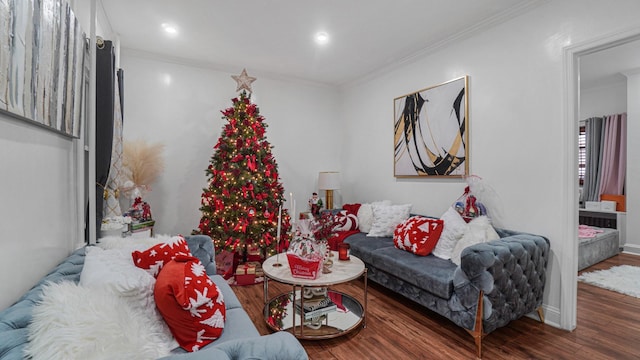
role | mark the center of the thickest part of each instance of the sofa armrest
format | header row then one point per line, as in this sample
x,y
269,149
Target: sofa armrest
x,y
511,272
277,346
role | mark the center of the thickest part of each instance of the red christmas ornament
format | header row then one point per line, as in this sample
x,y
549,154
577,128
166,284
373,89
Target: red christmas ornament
x,y
251,162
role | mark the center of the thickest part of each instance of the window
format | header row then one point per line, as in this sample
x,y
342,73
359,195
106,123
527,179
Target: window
x,y
582,154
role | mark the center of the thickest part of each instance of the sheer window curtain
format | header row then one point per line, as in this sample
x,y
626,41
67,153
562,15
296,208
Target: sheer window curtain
x,y
614,155
111,204
606,156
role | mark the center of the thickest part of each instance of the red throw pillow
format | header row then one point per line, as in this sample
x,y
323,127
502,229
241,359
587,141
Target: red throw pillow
x,y
351,208
154,258
345,221
418,235
190,303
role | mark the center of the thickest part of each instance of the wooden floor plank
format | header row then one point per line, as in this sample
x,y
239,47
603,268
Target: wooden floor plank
x,y
608,327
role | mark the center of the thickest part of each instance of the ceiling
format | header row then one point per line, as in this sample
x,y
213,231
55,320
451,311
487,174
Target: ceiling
x,y
275,37
606,67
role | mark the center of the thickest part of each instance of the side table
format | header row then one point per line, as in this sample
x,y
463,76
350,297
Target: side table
x,y
281,312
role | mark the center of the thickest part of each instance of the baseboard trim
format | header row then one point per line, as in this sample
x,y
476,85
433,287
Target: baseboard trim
x,y
631,249
551,316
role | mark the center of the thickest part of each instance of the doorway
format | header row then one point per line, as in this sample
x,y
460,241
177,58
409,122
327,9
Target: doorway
x,y
573,57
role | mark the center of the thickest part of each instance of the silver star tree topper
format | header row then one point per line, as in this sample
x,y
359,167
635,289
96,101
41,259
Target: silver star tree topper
x,y
244,81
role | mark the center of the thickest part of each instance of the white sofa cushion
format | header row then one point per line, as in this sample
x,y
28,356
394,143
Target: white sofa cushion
x,y
113,270
365,214
386,218
479,230
454,228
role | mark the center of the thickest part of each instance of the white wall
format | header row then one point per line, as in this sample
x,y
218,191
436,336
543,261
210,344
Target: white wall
x,y
38,209
633,162
42,219
604,100
517,139
179,106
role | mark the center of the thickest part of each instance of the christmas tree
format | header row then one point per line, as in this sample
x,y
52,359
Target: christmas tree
x,y
240,208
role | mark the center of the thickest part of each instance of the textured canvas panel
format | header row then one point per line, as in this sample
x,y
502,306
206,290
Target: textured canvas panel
x,y
5,24
42,63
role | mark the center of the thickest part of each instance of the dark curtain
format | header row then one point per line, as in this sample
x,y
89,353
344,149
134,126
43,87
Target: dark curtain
x,y
591,187
120,74
105,97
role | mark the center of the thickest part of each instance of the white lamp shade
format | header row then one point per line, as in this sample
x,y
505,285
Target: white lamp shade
x,y
329,180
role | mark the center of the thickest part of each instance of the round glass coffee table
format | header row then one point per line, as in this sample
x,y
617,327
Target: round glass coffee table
x,y
311,310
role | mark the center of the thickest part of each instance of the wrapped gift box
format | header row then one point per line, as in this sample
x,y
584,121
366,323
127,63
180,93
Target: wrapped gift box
x,y
258,266
254,253
246,274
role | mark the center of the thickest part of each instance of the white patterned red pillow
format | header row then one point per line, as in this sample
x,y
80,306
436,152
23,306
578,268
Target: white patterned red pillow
x,y
190,303
418,234
345,221
154,258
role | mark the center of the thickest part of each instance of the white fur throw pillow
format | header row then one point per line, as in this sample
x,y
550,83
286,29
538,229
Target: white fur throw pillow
x,y
479,230
387,217
365,215
454,228
75,322
113,270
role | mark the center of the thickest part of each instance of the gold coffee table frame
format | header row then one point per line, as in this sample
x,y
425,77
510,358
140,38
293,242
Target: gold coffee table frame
x,y
336,323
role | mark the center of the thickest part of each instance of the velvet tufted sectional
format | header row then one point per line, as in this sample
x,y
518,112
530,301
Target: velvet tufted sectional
x,y
496,282
239,340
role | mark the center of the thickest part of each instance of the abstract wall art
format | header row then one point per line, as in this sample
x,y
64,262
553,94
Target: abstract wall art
x,y
431,131
42,64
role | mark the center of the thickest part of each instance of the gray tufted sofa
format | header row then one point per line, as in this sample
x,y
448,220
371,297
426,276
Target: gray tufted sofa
x,y
496,282
240,338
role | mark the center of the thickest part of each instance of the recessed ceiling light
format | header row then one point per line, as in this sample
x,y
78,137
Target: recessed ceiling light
x,y
170,29
322,38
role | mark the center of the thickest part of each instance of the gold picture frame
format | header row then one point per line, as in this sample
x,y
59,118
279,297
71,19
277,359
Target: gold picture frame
x,y
431,131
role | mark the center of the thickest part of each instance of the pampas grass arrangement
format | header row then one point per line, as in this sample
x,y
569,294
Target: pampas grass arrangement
x,y
143,161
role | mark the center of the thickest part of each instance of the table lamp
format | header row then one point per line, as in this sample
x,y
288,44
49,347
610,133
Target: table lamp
x,y
329,181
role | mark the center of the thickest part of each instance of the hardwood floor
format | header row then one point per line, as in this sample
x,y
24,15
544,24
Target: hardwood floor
x,y
608,328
